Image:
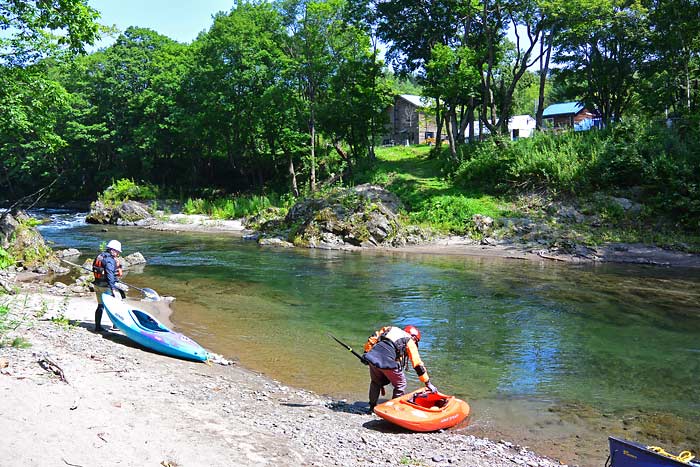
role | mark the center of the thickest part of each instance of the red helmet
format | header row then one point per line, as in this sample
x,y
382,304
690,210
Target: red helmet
x,y
413,331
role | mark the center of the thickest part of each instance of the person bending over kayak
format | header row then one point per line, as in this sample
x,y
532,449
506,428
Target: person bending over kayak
x,y
107,271
387,353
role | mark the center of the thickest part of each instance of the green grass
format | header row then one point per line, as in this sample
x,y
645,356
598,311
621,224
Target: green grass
x,y
430,198
62,321
228,208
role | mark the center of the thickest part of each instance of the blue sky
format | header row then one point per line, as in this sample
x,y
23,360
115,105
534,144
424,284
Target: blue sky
x,y
181,20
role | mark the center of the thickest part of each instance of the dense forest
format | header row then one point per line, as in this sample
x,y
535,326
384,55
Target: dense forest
x,y
280,97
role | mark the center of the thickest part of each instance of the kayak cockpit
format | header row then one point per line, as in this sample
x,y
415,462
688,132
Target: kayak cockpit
x,y
429,400
147,322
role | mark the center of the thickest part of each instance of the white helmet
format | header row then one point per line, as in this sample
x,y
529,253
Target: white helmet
x,y
115,245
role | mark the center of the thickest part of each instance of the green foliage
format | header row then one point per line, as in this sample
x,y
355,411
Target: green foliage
x,y
20,343
126,189
556,162
228,208
6,259
661,164
62,321
453,213
32,103
7,323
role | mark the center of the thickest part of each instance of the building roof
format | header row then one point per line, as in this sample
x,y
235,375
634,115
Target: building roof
x,y
418,101
564,108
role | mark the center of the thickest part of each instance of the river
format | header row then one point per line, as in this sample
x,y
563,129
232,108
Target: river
x,y
555,357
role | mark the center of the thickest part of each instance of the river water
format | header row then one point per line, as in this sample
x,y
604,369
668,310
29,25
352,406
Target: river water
x,y
554,357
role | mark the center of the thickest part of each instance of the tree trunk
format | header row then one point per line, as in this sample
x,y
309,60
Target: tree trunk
x,y
343,155
438,124
312,130
544,70
450,135
293,176
470,117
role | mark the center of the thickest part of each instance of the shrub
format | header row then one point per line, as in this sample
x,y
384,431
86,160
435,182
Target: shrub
x,y
6,259
557,162
228,208
663,162
453,213
126,189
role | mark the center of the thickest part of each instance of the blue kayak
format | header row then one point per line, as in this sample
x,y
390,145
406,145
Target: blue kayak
x,y
144,329
625,453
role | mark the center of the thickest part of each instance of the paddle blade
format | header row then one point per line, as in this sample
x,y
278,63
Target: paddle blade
x,y
150,294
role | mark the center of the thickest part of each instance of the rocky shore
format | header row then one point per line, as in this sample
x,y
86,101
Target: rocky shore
x,y
78,398
613,252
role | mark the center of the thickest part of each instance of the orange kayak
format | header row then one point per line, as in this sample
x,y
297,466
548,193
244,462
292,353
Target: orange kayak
x,y
422,410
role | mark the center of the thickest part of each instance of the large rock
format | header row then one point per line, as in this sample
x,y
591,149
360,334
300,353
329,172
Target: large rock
x,y
126,213
8,224
26,245
365,215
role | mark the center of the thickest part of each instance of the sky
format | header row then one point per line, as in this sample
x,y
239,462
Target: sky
x,y
181,20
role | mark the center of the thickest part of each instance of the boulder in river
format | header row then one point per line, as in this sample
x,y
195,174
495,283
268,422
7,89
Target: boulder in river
x,y
124,213
366,215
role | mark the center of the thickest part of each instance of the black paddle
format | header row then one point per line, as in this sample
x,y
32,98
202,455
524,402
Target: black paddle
x,y
348,348
360,357
149,293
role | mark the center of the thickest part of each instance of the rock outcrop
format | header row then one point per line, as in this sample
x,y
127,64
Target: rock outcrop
x,y
125,213
344,218
364,216
26,245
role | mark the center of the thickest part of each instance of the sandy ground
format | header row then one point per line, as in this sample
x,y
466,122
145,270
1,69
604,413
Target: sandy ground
x,y
196,223
77,398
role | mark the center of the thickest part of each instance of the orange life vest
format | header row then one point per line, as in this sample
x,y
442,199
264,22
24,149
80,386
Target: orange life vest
x,y
98,268
374,338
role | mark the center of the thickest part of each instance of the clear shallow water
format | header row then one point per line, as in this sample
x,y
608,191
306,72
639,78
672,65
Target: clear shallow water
x,y
554,357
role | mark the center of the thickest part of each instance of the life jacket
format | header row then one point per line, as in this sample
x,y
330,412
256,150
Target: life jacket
x,y
374,338
98,267
394,339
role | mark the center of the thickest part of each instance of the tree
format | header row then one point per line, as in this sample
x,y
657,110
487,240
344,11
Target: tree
x,y
672,68
38,29
602,50
528,20
353,110
238,96
34,35
310,28
124,110
451,75
435,41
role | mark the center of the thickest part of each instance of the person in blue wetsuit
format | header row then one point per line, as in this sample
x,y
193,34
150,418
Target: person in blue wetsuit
x,y
107,270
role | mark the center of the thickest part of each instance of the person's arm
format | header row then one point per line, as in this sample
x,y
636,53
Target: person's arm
x,y
110,265
416,362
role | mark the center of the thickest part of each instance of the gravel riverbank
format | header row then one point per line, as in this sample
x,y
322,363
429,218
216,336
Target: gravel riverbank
x,y
78,398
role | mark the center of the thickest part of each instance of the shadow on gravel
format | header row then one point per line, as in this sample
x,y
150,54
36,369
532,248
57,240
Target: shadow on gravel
x,y
383,426
114,335
357,407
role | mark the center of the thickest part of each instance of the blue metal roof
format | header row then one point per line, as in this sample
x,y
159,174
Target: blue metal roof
x,y
565,108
